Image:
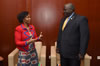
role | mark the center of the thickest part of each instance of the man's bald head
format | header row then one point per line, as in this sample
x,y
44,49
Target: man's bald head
x,y
70,6
68,9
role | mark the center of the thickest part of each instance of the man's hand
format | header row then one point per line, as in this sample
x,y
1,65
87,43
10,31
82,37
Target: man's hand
x,y
81,57
57,50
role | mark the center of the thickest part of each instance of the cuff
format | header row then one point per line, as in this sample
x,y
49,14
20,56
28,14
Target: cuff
x,y
26,43
37,38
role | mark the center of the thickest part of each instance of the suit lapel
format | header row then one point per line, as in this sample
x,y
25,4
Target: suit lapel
x,y
70,21
62,22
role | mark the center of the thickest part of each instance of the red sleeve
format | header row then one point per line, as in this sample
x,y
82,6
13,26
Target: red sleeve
x,y
18,40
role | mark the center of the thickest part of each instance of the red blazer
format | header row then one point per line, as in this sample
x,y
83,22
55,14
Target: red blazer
x,y
22,35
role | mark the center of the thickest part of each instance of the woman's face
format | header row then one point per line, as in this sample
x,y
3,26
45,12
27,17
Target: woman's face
x,y
27,19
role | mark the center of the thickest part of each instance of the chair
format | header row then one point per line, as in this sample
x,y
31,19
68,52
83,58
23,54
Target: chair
x,y
55,58
41,51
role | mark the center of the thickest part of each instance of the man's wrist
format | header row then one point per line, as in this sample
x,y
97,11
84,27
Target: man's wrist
x,y
81,56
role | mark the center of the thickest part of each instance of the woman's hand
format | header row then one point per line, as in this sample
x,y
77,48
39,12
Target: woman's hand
x,y
40,36
31,41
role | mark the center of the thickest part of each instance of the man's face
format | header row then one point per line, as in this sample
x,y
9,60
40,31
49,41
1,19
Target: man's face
x,y
67,11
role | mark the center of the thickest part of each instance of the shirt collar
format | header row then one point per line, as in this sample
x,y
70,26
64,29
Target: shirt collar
x,y
23,27
71,15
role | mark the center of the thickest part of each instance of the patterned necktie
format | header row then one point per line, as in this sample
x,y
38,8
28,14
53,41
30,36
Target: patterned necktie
x,y
65,22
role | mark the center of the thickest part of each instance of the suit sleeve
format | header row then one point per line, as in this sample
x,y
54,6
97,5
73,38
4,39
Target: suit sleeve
x,y
84,36
58,41
18,40
59,35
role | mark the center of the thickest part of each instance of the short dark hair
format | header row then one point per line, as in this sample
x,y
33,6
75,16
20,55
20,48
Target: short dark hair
x,y
22,15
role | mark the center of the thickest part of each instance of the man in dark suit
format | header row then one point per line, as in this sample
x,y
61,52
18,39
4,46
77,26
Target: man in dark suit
x,y
73,37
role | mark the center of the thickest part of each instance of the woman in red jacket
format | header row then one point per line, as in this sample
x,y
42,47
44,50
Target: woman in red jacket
x,y
25,36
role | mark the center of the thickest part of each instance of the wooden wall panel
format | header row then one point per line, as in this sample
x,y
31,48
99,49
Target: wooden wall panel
x,y
46,15
94,22
8,12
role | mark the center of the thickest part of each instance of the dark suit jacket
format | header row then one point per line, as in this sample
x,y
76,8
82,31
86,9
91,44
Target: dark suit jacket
x,y
74,39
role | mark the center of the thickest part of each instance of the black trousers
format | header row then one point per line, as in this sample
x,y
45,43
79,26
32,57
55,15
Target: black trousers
x,y
1,63
70,61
